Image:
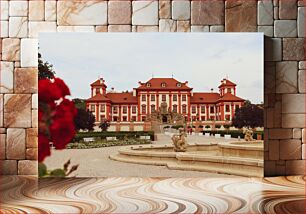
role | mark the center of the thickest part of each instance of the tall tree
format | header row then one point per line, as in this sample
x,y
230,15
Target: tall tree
x,y
84,120
249,115
45,69
79,103
104,124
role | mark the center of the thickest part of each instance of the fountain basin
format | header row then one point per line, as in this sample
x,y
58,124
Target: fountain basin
x,y
236,158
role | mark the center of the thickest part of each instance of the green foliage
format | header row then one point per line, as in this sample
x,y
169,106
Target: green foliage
x,y
119,135
201,126
166,127
207,126
57,173
45,70
104,143
84,120
44,172
177,126
104,124
217,126
226,126
79,103
249,115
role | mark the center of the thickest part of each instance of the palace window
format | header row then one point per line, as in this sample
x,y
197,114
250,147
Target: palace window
x,y
193,109
163,85
212,109
115,118
143,118
178,84
194,118
163,97
236,107
97,90
102,108
152,97
92,107
143,109
124,118
143,97
212,117
227,117
174,108
124,109
115,109
174,97
148,85
227,108
229,90
203,118
152,108
134,118
184,109
202,109
102,117
133,109
184,97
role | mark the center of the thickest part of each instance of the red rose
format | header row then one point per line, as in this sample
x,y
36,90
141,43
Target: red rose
x,y
48,91
65,109
43,147
62,131
62,86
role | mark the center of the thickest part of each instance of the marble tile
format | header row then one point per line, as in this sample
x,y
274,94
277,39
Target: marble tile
x,y
17,110
269,78
285,28
181,10
265,12
167,25
119,12
11,49
301,3
119,28
145,13
91,12
239,16
36,10
295,167
199,28
302,65
4,10
35,101
147,28
29,53
32,154
76,29
275,13
36,27
8,167
18,8
35,118
27,167
287,9
101,28
18,27
50,10
273,49
164,9
301,81
293,49
304,135
216,28
293,120
273,149
267,30
32,138
303,151
297,133
15,144
4,29
26,80
279,133
290,149
1,111
183,26
301,22
2,146
286,77
207,12
293,103
7,77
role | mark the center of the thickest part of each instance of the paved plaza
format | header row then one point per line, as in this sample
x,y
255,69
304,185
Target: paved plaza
x,y
96,162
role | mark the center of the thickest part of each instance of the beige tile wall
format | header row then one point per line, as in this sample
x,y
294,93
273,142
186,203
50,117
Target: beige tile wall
x,y
282,21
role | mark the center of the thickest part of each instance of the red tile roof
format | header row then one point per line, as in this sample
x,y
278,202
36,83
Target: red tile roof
x,y
99,97
230,97
124,97
226,83
98,83
171,83
205,97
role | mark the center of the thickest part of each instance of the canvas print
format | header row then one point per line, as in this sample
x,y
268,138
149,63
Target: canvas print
x,y
151,104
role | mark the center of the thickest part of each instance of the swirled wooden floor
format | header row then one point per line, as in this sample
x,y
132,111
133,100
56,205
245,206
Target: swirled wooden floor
x,y
153,195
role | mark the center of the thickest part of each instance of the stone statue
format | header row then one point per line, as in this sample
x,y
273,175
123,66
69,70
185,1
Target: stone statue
x,y
179,141
248,135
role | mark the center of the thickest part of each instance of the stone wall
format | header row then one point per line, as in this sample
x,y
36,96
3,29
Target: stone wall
x,y
282,21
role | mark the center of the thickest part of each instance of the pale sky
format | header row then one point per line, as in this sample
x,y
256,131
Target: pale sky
x,y
123,59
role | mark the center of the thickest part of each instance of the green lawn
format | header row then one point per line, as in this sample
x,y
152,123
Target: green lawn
x,y
104,143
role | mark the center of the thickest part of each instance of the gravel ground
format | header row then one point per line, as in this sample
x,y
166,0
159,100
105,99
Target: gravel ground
x,y
95,162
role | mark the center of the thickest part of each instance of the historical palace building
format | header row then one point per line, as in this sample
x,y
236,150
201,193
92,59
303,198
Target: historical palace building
x,y
161,98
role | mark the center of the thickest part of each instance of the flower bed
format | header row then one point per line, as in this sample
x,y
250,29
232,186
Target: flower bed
x,y
234,134
104,143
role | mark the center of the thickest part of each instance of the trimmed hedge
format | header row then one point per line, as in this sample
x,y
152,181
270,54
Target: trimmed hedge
x,y
177,126
234,134
101,144
119,135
